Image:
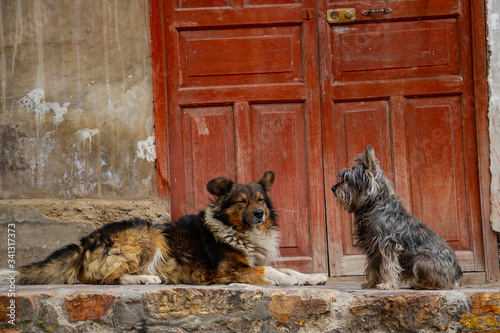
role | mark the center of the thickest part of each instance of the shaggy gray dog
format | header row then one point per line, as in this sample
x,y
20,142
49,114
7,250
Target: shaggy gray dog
x,y
399,247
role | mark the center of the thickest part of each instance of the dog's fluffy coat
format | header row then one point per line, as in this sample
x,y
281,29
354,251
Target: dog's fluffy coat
x,y
399,247
232,241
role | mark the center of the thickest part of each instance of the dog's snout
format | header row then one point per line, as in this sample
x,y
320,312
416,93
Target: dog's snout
x,y
340,181
258,213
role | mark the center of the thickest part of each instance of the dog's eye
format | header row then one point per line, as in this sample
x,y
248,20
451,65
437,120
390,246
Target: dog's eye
x,y
260,200
242,202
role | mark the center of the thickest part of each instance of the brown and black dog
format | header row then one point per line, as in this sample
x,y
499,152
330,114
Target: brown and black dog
x,y
232,241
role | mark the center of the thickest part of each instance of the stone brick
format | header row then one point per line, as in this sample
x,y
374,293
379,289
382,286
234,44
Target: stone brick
x,y
397,312
484,312
128,310
88,306
473,321
25,308
294,309
483,303
182,302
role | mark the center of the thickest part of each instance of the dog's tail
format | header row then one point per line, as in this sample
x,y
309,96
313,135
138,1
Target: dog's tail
x,y
60,267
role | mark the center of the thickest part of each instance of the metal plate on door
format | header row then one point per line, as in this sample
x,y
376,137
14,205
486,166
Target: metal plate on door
x,y
341,15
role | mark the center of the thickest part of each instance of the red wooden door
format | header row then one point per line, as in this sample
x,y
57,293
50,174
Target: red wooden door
x,y
400,78
242,90
245,93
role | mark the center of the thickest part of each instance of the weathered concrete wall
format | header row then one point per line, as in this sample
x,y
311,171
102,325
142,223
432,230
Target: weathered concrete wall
x,y
76,115
494,108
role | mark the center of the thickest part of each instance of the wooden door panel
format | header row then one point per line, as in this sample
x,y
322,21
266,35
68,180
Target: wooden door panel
x,y
365,123
349,128
437,167
208,141
359,124
279,144
237,56
381,50
437,172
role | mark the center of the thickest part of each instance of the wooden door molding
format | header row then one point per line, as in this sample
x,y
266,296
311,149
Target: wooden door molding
x,y
159,99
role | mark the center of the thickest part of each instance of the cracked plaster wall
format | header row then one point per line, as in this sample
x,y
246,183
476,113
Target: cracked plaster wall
x,y
76,115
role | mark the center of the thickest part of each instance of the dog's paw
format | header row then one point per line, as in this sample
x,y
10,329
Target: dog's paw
x,y
273,277
316,279
300,279
150,279
140,279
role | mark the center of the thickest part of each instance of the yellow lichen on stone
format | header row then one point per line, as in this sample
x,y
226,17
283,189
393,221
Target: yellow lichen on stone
x,y
469,320
479,322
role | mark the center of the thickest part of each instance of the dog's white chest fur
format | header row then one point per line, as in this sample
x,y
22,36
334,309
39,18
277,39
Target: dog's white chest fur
x,y
260,248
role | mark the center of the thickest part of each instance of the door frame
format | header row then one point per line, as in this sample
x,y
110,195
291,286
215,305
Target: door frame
x,y
479,63
160,104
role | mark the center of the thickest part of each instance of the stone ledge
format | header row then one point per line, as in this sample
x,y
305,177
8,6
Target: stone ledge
x,y
94,211
334,308
62,222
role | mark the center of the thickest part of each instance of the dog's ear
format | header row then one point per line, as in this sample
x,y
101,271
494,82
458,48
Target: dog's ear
x,y
267,181
369,159
219,186
372,171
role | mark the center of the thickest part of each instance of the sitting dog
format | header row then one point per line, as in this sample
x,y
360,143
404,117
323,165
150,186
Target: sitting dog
x,y
399,247
232,241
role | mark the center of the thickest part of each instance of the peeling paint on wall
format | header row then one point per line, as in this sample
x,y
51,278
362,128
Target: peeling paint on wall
x,y
34,101
147,149
85,134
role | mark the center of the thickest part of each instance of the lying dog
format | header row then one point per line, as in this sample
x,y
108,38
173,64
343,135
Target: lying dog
x,y
231,241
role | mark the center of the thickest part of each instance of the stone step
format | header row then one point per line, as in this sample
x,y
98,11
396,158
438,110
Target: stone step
x,y
335,307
